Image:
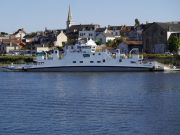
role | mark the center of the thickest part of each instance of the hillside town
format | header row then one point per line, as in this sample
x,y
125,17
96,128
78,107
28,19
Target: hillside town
x,y
151,38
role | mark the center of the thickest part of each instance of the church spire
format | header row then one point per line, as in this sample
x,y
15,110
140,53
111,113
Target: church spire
x,y
69,19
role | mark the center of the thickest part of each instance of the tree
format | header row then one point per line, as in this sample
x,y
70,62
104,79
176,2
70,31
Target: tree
x,y
114,43
174,43
99,42
137,23
3,33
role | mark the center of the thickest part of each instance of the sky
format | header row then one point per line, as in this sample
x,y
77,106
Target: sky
x,y
35,15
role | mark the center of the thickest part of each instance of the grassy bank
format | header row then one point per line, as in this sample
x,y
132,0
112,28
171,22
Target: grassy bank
x,y
6,60
163,58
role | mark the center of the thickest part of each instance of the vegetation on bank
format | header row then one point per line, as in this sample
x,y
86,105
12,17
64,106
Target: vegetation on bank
x,y
164,58
7,59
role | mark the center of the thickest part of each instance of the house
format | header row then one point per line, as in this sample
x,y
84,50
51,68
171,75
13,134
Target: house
x,y
134,35
41,39
101,30
20,33
61,40
103,38
115,30
88,32
81,31
156,36
9,44
128,45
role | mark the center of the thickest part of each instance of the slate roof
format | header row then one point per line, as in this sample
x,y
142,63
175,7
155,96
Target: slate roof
x,y
170,26
114,27
80,27
101,29
121,28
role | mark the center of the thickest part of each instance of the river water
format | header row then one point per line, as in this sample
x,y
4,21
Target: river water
x,y
89,103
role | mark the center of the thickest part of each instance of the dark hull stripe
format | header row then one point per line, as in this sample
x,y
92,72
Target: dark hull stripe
x,y
88,69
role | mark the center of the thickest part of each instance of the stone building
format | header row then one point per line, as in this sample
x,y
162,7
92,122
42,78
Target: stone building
x,y
156,35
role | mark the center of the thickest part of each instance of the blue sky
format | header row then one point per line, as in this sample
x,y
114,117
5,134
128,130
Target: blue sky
x,y
33,15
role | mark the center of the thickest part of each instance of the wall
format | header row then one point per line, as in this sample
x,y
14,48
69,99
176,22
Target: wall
x,y
152,36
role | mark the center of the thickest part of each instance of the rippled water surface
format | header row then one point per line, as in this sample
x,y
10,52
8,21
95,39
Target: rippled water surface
x,y
89,103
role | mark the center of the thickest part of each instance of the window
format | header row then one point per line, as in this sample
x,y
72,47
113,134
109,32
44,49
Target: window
x,y
104,60
74,61
90,34
98,61
133,62
93,53
81,62
86,55
91,61
99,54
120,60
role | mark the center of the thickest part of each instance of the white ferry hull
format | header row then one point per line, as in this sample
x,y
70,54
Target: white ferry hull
x,y
88,69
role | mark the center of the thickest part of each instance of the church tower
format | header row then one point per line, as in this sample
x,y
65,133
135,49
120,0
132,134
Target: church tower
x,y
69,22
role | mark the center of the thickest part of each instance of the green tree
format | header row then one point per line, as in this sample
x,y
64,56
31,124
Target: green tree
x,y
114,43
3,33
137,23
174,43
98,42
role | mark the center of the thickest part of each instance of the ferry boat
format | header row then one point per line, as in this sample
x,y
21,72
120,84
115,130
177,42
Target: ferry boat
x,y
86,58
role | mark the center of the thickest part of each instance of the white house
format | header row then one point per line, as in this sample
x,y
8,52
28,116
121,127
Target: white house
x,y
91,34
20,33
105,37
61,39
88,31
